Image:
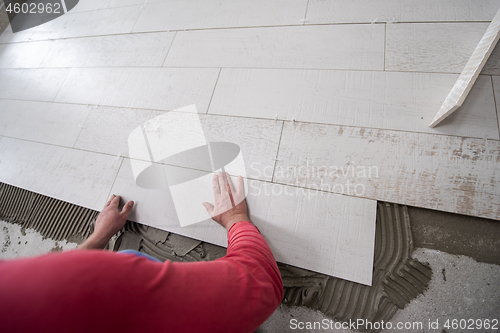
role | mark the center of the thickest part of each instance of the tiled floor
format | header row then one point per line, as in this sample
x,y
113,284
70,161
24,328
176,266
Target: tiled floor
x,y
298,85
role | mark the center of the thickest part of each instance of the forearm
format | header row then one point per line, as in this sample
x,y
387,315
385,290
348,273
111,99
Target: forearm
x,y
94,242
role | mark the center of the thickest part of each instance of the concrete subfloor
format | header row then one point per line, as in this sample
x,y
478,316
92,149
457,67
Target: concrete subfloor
x,y
461,287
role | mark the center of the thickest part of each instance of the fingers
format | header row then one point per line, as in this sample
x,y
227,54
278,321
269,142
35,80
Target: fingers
x,y
215,185
109,201
229,182
239,186
115,201
222,184
209,207
127,208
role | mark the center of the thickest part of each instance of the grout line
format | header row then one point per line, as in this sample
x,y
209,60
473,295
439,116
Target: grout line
x,y
250,117
213,92
242,67
277,150
166,55
495,102
68,70
242,27
116,176
81,129
305,14
137,19
385,45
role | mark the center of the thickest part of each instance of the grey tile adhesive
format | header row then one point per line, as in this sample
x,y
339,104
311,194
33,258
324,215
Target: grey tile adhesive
x,y
397,278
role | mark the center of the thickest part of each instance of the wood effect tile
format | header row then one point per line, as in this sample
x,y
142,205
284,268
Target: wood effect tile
x,y
389,100
367,11
148,88
321,47
453,174
53,123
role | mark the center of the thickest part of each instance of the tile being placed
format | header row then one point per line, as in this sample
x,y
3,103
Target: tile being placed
x,y
447,173
389,100
32,84
321,47
107,130
206,14
53,123
75,176
431,47
322,232
149,88
367,11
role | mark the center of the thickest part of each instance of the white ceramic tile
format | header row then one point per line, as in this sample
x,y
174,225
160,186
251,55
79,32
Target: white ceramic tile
x,y
321,47
399,101
86,5
89,23
79,177
492,66
31,84
358,11
431,47
150,88
53,123
447,173
131,50
322,232
107,129
202,14
8,36
23,55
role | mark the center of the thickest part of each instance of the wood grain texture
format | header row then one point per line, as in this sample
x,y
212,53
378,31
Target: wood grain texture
x,y
466,80
458,175
399,101
106,130
283,215
206,14
366,11
322,47
53,123
149,88
431,47
75,176
131,50
32,84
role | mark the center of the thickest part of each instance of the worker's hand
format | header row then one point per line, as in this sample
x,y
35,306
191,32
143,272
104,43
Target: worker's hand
x,y
230,206
109,221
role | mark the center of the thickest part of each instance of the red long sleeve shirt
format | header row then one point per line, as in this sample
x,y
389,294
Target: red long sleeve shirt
x,y
100,291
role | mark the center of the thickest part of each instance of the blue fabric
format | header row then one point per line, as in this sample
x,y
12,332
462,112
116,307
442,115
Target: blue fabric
x,y
140,254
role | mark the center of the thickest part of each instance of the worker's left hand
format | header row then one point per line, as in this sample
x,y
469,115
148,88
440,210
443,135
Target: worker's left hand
x,y
109,221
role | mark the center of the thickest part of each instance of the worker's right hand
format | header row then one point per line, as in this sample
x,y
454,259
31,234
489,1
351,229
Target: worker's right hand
x,y
230,205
